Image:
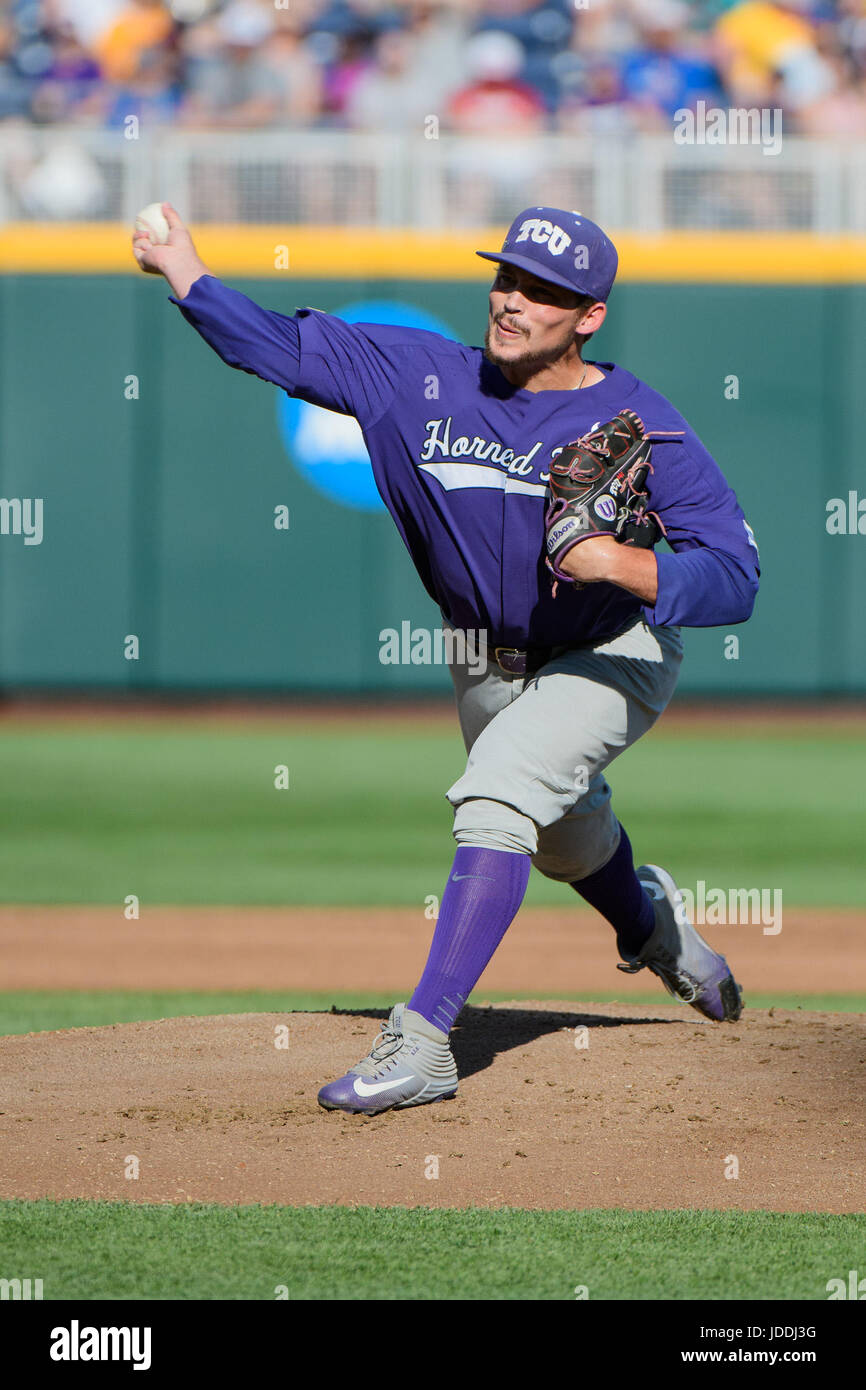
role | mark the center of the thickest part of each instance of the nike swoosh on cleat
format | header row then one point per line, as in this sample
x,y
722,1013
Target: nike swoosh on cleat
x,y
363,1088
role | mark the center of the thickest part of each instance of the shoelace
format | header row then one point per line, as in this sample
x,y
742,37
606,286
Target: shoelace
x,y
387,1037
676,981
385,1045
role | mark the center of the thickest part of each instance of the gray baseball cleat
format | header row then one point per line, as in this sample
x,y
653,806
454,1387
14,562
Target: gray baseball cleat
x,y
410,1063
686,965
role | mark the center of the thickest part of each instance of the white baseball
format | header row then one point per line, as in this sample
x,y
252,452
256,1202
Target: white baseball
x,y
152,219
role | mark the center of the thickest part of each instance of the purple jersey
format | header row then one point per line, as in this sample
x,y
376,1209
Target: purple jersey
x,y
460,458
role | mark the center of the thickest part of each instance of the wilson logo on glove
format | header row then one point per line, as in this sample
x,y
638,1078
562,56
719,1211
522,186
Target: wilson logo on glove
x,y
598,488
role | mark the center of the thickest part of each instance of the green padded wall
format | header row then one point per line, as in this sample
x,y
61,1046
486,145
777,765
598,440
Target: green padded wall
x,y
158,512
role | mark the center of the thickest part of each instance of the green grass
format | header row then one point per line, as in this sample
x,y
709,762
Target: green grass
x,y
43,1011
100,1250
180,813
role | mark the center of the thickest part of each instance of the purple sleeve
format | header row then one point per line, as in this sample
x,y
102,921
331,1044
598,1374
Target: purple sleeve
x,y
350,368
712,577
243,334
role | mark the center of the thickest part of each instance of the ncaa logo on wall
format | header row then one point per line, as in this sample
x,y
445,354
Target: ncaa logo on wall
x,y
327,448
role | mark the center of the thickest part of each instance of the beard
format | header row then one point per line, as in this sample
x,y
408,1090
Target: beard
x,y
526,359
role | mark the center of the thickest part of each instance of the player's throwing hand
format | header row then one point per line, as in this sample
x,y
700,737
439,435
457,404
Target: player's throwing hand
x,y
176,259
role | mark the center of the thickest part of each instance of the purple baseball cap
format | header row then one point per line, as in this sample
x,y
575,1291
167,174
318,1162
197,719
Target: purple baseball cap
x,y
564,247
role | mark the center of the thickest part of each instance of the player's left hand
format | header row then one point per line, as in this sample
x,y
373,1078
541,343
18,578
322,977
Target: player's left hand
x,y
601,558
595,559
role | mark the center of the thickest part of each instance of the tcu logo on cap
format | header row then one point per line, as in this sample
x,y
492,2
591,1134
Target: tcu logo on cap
x,y
541,231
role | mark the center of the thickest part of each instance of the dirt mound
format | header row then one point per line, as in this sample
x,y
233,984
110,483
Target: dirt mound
x,y
657,1109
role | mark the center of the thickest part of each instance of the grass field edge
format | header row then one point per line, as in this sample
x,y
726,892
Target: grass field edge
x,y
46,1011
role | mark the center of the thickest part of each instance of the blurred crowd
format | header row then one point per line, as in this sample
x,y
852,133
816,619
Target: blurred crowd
x,y
477,66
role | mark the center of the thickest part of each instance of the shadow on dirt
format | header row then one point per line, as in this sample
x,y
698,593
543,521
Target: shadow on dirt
x,y
482,1035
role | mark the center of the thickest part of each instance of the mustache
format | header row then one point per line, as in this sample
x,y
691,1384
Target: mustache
x,y
513,326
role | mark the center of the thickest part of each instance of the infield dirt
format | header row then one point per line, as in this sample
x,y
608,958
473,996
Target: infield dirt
x,y
658,1109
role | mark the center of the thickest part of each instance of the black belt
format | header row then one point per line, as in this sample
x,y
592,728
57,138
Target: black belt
x,y
515,662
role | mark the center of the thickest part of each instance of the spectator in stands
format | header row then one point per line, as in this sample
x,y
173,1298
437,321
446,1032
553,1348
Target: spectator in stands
x,y
344,60
298,74
760,41
842,112
71,88
153,94
402,87
89,20
441,30
139,29
231,84
599,104
605,29
15,87
384,97
667,72
850,33
496,101
544,29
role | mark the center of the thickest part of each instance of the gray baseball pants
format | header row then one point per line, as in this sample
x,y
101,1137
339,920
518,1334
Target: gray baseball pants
x,y
539,746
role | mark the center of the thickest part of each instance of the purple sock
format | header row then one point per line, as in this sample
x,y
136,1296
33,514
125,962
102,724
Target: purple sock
x,y
617,893
484,890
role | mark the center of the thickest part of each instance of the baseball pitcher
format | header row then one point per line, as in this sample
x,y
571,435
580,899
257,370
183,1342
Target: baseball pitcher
x,y
530,489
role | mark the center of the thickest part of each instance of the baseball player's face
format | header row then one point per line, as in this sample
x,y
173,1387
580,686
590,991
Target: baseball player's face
x,y
531,321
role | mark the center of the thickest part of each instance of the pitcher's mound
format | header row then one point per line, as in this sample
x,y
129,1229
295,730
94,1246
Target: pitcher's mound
x,y
559,1106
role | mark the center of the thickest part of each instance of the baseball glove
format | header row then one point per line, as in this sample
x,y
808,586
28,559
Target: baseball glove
x,y
597,488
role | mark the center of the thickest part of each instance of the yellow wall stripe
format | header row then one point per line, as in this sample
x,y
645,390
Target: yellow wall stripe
x,y
397,253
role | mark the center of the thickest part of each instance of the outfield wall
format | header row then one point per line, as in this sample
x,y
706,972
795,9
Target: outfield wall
x,y
158,511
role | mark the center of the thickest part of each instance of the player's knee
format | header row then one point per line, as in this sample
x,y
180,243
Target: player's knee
x,y
577,846
568,870
494,825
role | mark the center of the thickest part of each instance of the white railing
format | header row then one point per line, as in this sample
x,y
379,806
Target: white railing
x,y
647,184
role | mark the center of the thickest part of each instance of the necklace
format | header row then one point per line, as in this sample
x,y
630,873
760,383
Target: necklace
x,y
580,383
